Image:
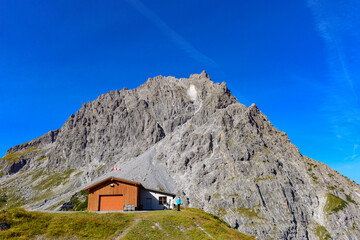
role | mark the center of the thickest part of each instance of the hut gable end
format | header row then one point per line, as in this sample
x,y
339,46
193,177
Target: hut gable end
x,y
112,194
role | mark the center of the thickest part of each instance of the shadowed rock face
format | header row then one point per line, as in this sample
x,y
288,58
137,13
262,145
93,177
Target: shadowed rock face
x,y
190,136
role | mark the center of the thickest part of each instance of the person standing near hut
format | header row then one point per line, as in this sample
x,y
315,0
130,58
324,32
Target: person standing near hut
x,y
178,202
169,203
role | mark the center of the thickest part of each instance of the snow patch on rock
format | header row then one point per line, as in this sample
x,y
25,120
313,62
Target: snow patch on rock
x,y
192,92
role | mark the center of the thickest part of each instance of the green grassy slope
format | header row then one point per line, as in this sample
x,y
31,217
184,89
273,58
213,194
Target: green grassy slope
x,y
186,224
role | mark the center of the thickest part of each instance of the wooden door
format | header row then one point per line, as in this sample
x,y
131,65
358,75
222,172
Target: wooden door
x,y
111,203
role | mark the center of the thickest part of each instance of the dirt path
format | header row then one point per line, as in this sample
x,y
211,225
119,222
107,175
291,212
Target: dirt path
x,y
123,234
199,227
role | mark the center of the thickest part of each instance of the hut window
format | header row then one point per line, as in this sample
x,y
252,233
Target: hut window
x,y
162,200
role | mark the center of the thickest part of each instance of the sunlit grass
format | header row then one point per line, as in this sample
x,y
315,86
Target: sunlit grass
x,y
186,224
27,225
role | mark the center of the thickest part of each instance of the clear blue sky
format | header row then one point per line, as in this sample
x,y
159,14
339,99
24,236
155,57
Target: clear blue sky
x,y
297,60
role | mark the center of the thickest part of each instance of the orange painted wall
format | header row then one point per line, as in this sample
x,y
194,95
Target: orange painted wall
x,y
129,191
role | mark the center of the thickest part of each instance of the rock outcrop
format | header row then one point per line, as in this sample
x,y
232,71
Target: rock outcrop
x,y
214,152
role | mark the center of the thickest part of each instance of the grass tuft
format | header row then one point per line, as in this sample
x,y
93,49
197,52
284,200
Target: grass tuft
x,y
322,233
16,156
80,201
334,204
264,178
349,199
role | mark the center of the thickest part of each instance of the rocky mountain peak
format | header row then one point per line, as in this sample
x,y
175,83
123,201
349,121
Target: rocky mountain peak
x,y
190,136
202,75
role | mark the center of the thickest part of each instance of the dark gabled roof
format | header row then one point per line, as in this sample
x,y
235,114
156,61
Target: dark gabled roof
x,y
143,169
111,178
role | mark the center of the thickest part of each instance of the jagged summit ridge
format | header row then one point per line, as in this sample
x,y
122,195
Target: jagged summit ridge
x,y
211,150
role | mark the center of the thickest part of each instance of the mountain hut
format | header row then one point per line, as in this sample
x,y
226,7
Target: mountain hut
x,y
117,194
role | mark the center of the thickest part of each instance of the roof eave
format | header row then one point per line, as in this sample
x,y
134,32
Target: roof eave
x,y
111,178
157,191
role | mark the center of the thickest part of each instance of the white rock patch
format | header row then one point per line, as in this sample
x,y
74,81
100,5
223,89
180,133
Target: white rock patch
x,y
192,92
319,216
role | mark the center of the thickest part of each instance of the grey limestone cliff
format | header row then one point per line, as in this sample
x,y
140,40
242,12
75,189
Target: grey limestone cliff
x,y
190,136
